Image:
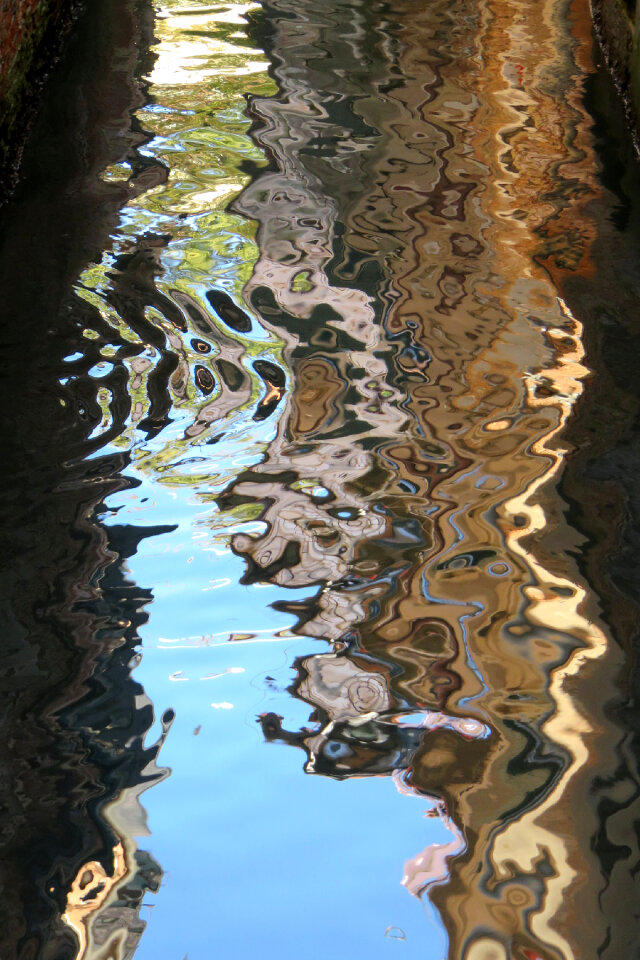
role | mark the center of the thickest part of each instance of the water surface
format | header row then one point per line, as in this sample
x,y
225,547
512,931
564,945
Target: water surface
x,y
322,493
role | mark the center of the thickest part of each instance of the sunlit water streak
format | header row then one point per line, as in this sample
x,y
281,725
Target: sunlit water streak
x,y
325,372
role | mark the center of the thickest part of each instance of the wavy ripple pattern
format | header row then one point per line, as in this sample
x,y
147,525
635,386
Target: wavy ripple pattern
x,y
344,321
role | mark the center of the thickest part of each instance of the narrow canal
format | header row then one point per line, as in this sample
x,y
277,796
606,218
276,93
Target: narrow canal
x,y
321,327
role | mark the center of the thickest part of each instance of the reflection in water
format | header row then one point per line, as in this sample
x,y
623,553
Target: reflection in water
x,y
74,757
482,365
349,273
104,900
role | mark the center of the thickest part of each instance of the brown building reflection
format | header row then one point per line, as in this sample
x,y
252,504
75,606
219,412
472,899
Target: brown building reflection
x,y
414,476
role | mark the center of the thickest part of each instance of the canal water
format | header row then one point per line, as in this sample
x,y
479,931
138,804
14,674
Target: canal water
x,y
321,554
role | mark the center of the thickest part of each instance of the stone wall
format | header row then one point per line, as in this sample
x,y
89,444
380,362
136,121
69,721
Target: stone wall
x,y
617,25
30,36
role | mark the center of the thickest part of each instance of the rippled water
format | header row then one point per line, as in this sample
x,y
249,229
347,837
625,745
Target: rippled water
x,y
321,489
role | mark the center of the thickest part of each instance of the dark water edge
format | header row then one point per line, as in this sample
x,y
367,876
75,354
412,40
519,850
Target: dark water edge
x,y
73,718
600,485
65,653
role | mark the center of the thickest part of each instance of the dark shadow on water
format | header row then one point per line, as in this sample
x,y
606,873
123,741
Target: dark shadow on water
x,y
602,487
73,720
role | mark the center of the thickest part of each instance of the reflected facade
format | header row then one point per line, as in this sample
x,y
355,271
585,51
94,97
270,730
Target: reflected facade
x,y
348,300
